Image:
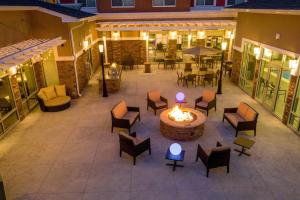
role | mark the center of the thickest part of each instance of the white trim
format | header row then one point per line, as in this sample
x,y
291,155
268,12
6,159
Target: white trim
x,y
266,11
65,58
239,49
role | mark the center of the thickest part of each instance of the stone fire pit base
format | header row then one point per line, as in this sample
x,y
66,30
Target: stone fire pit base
x,y
181,130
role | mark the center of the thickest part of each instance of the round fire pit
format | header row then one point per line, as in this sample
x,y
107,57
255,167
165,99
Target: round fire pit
x,y
182,130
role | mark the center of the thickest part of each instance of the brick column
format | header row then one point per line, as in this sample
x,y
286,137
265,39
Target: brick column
x,y
289,99
201,42
172,48
236,66
66,73
82,71
39,74
17,94
95,57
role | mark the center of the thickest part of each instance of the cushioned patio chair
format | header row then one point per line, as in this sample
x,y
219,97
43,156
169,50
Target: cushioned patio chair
x,y
53,98
156,101
215,157
207,101
123,116
133,145
242,118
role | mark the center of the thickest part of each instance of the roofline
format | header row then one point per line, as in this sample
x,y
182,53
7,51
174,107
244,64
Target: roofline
x,y
265,11
64,18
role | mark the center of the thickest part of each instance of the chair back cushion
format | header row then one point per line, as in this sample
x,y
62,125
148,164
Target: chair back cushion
x,y
49,92
208,95
242,109
154,95
250,115
42,95
60,90
120,110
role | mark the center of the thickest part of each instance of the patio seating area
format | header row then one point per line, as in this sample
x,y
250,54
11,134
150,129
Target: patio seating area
x,y
72,154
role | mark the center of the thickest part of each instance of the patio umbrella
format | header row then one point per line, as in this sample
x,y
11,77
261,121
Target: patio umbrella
x,y
201,51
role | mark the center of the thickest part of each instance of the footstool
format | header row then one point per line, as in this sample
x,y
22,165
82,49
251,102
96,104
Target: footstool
x,y
245,144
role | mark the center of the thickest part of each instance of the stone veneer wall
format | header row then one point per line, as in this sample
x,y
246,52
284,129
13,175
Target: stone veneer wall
x,y
289,99
236,66
82,71
39,74
17,94
200,42
95,57
66,73
118,51
172,48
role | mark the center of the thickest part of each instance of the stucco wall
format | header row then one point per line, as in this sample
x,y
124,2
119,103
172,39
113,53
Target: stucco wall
x,y
263,28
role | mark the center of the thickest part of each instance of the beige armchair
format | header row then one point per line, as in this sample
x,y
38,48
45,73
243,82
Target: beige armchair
x,y
207,101
156,101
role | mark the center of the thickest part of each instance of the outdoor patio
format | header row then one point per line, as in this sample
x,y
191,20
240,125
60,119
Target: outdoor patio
x,y
73,155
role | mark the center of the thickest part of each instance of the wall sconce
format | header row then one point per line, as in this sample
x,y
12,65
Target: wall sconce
x,y
173,35
144,36
115,35
294,65
190,37
228,34
101,48
256,51
12,70
267,53
201,35
85,45
224,46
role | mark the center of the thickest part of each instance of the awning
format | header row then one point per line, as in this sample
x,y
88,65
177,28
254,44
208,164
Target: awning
x,y
166,25
18,53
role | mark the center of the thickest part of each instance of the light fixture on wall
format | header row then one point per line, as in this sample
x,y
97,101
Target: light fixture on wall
x,y
173,35
144,36
267,53
228,34
256,51
224,46
294,66
201,35
12,70
115,35
85,45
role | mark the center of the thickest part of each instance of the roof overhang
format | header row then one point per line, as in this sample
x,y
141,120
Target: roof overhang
x,y
21,52
265,11
64,18
166,25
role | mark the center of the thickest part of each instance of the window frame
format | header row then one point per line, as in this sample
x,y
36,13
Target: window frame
x,y
111,4
164,6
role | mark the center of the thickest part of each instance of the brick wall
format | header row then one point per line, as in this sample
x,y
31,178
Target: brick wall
x,y
200,42
95,57
289,99
39,74
82,71
67,76
117,51
236,66
17,94
172,48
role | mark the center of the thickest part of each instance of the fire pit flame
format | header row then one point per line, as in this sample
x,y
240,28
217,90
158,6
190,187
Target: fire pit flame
x,y
178,115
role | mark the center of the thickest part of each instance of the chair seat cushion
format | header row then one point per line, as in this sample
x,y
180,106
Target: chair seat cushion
x,y
202,104
58,101
234,118
131,116
160,104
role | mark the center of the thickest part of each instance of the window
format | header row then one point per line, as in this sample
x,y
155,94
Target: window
x,y
233,2
164,3
205,2
122,3
87,3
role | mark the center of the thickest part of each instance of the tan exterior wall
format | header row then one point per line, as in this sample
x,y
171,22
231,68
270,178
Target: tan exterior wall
x,y
263,28
14,27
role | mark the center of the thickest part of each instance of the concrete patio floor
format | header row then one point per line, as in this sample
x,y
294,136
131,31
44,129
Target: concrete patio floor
x,y
72,155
